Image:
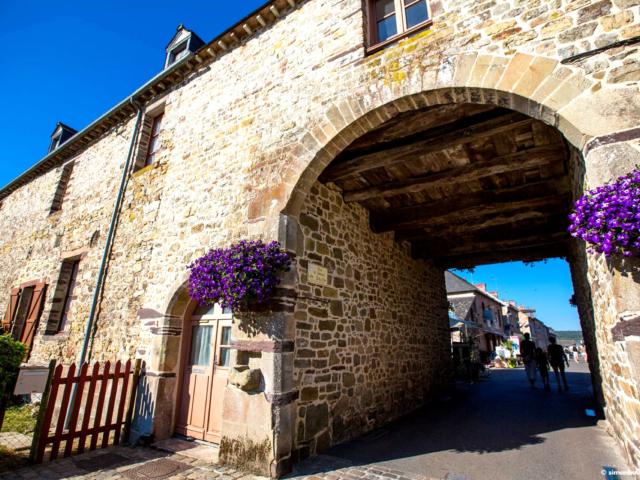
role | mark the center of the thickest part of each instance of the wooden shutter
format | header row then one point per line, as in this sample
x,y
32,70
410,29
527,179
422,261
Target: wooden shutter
x,y
60,296
61,189
11,310
35,309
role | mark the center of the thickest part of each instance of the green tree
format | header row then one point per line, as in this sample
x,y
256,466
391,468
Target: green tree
x,y
12,353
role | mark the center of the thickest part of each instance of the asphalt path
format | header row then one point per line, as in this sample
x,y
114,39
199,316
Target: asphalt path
x,y
498,429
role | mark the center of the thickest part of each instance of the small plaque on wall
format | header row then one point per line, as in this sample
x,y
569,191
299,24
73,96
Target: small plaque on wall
x,y
318,275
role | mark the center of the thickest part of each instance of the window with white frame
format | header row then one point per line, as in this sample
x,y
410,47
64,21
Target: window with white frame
x,y
390,19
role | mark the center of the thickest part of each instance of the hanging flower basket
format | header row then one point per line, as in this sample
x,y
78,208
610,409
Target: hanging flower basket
x,y
240,276
608,217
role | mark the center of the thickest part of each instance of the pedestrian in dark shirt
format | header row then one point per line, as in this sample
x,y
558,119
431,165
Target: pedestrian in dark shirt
x,y
558,359
543,367
528,352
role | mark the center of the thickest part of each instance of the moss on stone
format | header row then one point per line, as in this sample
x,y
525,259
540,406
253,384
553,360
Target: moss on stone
x,y
246,455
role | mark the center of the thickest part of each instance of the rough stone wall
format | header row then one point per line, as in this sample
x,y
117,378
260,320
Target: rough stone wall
x,y
374,342
33,242
615,293
240,132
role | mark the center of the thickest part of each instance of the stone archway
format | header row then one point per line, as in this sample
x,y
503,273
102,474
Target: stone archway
x,y
589,115
161,379
600,122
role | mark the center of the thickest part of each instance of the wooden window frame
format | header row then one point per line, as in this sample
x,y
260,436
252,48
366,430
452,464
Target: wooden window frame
x,y
150,157
178,50
57,321
402,31
143,149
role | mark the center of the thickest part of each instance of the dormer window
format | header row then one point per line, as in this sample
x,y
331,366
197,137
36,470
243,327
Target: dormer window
x,y
61,134
182,44
178,53
393,19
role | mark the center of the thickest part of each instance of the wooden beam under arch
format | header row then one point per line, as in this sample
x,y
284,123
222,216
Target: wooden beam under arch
x,y
527,159
460,132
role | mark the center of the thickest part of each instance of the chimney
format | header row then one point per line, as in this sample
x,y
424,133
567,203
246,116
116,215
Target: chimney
x,y
481,286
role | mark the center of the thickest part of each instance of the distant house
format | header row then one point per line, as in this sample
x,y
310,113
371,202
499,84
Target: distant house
x,y
510,318
529,323
473,303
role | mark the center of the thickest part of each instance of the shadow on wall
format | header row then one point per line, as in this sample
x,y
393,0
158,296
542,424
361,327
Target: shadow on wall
x,y
497,415
625,266
142,426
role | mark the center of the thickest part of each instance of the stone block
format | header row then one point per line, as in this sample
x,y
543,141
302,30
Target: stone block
x,y
316,420
245,378
514,71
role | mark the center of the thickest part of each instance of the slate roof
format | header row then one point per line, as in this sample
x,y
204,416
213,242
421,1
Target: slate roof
x,y
456,284
461,306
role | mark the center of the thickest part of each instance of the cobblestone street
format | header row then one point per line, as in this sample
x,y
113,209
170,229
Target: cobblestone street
x,y
146,463
126,463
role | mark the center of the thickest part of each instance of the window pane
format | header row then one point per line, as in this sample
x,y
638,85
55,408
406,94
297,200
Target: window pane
x,y
416,14
384,8
70,297
227,311
204,310
226,336
225,357
157,123
387,28
201,345
153,145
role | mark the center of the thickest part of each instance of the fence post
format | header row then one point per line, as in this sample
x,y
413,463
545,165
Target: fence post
x,y
132,399
44,402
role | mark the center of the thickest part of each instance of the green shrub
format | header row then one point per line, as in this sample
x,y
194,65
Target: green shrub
x,y
12,354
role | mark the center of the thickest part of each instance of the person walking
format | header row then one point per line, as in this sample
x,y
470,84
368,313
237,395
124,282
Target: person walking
x,y
558,359
576,354
543,367
527,352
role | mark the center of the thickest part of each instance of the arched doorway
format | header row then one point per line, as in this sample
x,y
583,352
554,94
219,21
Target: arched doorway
x,y
203,372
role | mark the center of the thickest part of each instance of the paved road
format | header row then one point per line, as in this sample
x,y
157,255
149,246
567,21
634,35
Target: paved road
x,y
497,429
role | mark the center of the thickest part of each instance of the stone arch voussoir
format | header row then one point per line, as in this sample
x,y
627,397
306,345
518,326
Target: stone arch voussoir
x,y
540,87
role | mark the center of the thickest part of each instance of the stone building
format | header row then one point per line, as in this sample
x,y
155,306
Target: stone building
x,y
510,317
535,327
473,303
380,146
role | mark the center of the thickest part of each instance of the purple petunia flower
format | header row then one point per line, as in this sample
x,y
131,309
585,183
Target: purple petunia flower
x,y
608,217
244,273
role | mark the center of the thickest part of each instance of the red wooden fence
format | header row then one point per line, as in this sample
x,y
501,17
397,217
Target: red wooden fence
x,y
74,417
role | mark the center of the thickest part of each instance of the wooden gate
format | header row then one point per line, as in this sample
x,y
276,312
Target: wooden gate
x,y
90,408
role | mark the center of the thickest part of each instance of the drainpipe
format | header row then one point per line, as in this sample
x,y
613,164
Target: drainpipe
x,y
91,322
87,344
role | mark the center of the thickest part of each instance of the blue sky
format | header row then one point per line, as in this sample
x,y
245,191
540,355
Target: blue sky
x,y
545,286
73,60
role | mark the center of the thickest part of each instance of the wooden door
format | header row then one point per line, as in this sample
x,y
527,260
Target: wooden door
x,y
204,376
219,380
